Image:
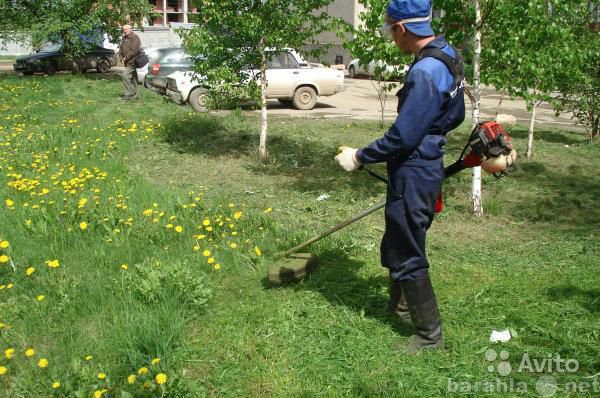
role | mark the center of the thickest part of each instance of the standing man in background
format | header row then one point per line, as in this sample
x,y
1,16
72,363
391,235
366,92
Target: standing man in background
x,y
130,47
430,104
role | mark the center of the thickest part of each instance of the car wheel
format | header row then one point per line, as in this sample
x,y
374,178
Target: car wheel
x,y
286,102
352,71
103,66
305,98
198,99
50,68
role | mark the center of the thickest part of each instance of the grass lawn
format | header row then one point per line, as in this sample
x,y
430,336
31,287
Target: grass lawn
x,y
135,238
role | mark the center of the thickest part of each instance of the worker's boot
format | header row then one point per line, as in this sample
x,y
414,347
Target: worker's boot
x,y
424,314
397,301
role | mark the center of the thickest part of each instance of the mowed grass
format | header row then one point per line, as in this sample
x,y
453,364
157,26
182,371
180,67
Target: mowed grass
x,y
530,264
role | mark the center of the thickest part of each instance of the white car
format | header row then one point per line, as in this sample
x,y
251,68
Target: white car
x,y
355,69
290,79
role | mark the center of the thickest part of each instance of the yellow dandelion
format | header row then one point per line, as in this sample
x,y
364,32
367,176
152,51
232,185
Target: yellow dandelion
x,y
160,378
99,393
233,245
209,229
179,228
43,363
3,370
29,271
124,267
257,251
169,226
56,385
155,361
9,202
200,237
131,379
9,353
206,253
29,352
41,297
9,286
206,222
148,212
53,263
89,357
143,370
196,248
237,215
3,258
217,266
4,244
268,210
211,260
83,225
102,376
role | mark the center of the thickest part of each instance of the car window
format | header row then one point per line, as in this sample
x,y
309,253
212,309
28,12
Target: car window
x,y
290,61
282,61
51,47
175,56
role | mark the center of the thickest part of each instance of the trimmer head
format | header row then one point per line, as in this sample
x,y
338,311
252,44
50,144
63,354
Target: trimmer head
x,y
294,267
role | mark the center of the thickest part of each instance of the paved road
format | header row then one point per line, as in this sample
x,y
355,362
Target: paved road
x,y
360,102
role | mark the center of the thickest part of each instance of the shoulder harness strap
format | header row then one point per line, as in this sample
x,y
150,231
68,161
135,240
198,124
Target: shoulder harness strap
x,y
454,65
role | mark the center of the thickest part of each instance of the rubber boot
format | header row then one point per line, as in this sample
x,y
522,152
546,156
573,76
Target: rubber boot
x,y
424,314
397,301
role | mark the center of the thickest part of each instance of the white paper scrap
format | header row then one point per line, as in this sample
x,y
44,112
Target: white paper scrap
x,y
502,336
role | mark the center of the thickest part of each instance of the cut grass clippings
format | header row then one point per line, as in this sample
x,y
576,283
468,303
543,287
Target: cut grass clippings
x,y
163,222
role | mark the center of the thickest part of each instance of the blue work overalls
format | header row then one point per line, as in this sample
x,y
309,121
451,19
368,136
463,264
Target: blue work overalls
x,y
430,104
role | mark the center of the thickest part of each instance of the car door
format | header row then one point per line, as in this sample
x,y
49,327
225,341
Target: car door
x,y
283,74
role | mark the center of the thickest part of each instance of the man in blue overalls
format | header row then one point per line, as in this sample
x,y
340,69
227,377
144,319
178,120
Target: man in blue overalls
x,y
430,104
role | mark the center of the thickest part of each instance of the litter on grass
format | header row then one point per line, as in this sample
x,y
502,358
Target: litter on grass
x,y
501,337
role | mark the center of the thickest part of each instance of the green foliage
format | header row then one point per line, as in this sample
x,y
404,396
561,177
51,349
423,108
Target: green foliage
x,y
154,280
42,21
580,93
233,35
367,43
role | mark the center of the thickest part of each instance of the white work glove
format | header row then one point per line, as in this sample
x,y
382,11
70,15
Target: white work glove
x,y
347,158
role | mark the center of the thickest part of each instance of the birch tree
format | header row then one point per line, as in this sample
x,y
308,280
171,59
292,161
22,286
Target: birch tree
x,y
537,48
233,37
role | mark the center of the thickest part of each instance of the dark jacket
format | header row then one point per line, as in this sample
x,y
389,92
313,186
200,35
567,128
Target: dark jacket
x,y
429,106
130,47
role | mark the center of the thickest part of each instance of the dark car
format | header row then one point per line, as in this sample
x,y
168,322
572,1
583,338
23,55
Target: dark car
x,y
163,62
50,59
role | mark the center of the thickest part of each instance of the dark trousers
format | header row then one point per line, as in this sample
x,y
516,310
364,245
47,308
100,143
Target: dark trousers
x,y
413,189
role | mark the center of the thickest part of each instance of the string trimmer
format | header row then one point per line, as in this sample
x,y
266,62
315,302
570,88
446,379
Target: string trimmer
x,y
489,146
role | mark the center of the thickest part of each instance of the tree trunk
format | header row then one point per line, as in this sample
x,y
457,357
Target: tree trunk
x,y
262,148
499,104
534,105
476,202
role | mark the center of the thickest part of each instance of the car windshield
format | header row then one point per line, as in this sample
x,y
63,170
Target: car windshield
x,y
50,47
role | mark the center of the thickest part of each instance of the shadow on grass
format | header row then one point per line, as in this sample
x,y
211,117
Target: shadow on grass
x,y
308,162
93,75
336,279
552,136
567,196
589,299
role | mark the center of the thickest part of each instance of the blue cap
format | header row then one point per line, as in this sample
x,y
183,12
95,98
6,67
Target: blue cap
x,y
415,15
